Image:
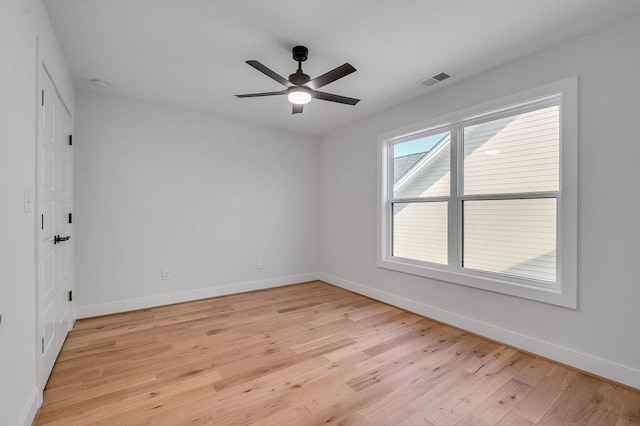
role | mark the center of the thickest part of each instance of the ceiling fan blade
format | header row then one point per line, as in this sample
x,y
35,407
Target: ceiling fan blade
x,y
269,73
333,75
255,95
297,109
334,98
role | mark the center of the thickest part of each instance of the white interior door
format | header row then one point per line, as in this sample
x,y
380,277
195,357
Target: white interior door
x,y
54,206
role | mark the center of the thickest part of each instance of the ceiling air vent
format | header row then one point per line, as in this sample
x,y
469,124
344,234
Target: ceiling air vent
x,y
430,81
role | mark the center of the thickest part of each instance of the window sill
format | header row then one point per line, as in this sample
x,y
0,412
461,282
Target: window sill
x,y
495,283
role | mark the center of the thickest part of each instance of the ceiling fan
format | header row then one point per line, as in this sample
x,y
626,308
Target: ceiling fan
x,y
300,89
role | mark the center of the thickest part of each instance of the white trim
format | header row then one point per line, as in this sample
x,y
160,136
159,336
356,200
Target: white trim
x,y
31,408
562,293
601,367
189,295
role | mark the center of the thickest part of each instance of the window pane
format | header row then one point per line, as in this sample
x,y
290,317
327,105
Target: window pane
x,y
515,154
511,237
420,231
421,167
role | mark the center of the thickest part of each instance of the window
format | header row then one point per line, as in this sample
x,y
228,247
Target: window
x,y
486,197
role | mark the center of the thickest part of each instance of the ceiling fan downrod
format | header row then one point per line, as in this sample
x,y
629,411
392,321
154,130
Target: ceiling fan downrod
x,y
300,54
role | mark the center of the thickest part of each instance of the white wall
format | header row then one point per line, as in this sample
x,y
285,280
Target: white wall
x,y
21,21
205,196
601,336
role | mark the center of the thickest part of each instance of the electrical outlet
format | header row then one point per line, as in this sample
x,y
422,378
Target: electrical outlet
x,y
352,265
259,264
166,274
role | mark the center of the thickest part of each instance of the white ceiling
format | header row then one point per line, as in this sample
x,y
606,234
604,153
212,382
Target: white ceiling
x,y
191,53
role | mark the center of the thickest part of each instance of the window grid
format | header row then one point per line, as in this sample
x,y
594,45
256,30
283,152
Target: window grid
x,y
456,198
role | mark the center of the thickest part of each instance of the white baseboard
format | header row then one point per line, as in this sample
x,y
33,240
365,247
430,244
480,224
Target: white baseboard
x,y
600,367
30,409
185,296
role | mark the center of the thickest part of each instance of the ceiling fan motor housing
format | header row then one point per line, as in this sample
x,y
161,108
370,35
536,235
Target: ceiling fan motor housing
x,y
299,78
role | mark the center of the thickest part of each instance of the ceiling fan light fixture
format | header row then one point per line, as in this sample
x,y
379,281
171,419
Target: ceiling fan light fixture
x,y
299,96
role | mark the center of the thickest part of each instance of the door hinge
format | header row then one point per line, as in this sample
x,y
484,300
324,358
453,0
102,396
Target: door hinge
x,y
70,139
70,295
42,97
43,345
70,218
42,222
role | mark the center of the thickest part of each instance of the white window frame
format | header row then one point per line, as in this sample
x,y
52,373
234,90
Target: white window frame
x,y
564,292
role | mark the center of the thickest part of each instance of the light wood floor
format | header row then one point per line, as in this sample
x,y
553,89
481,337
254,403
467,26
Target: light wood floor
x,y
310,354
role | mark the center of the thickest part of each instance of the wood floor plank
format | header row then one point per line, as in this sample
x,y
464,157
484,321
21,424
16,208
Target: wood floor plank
x,y
534,405
310,354
498,404
573,402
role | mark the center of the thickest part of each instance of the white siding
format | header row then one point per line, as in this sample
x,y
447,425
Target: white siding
x,y
513,237
513,154
420,231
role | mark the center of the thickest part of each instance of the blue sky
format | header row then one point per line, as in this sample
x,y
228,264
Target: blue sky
x,y
417,145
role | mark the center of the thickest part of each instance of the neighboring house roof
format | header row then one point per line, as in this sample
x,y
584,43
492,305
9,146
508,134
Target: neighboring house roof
x,y
431,167
402,164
